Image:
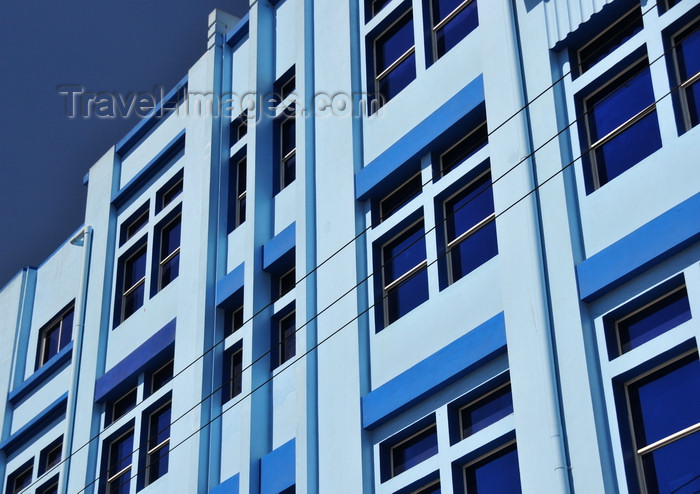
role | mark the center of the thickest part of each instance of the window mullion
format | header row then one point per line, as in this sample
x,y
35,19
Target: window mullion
x,y
669,439
624,126
452,15
418,267
396,63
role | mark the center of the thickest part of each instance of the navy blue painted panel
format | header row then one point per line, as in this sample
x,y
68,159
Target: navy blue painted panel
x,y
34,426
134,363
419,139
645,247
140,130
230,287
278,469
238,32
279,248
448,364
172,149
230,485
43,374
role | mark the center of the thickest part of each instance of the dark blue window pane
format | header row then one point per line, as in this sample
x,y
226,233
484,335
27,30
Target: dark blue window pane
x,y
160,427
667,401
469,207
674,468
623,99
287,338
135,268
49,489
170,270
394,43
404,253
377,5
236,373
628,148
414,450
486,411
606,43
158,464
654,320
465,148
290,170
474,251
400,196
51,341
288,136
442,8
66,329
689,54
397,79
171,238
134,300
498,473
407,296
124,404
692,96
120,453
23,480
120,485
457,29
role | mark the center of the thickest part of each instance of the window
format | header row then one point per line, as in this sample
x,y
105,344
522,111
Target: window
x,y
133,273
664,408
404,274
119,453
452,21
621,125
162,376
686,61
288,149
485,411
169,260
286,282
609,40
233,373
133,224
649,321
50,456
234,321
119,407
394,59
410,451
285,339
400,196
470,227
433,488
239,128
237,193
50,487
170,191
21,478
55,336
373,7
158,444
496,472
464,149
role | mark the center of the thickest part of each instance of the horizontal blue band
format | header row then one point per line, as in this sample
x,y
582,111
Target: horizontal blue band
x,y
279,249
124,374
278,469
36,425
228,486
174,97
43,374
645,247
474,349
229,289
419,139
173,148
238,32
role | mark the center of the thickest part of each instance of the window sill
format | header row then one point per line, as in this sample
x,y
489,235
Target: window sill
x,y
43,374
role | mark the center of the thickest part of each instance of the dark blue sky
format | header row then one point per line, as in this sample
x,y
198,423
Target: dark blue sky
x,y
131,45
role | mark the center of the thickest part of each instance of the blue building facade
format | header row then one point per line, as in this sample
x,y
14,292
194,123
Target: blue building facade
x,y
382,246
